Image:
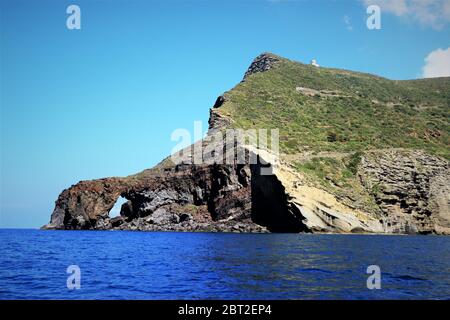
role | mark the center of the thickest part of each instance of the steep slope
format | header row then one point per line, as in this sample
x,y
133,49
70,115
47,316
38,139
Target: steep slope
x,y
359,153
322,109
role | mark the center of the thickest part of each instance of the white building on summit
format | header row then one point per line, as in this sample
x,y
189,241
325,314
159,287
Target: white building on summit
x,y
314,63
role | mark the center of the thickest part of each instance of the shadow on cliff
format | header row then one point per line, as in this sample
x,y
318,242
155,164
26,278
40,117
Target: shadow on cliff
x,y
270,205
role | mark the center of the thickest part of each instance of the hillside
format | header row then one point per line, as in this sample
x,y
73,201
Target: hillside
x,y
359,153
328,117
323,109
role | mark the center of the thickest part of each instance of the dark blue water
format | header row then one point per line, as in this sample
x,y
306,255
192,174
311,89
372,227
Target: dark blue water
x,y
147,265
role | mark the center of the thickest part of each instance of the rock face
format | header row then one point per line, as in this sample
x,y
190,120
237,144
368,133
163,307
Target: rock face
x,y
182,198
86,205
410,188
272,206
261,63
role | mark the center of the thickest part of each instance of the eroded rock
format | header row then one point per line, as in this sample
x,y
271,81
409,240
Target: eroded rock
x,y
412,189
261,63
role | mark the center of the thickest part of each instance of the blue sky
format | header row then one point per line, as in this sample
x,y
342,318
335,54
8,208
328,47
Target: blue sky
x,y
104,100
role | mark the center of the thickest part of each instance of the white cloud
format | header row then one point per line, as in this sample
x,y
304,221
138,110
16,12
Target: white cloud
x,y
437,64
348,23
434,13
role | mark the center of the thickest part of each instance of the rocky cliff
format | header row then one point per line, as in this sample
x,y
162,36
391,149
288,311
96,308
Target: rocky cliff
x,y
331,176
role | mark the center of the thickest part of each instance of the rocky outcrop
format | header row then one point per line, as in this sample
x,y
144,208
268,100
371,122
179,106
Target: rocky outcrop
x,y
216,121
261,63
410,188
86,205
317,210
272,206
182,198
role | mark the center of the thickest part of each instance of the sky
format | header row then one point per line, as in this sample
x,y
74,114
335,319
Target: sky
x,y
103,100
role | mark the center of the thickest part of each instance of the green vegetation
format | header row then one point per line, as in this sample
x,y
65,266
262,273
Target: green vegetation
x,y
332,116
350,112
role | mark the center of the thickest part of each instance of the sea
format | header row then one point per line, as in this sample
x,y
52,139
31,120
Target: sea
x,y
38,264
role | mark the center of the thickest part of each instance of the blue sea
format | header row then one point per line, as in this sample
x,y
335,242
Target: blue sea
x,y
166,265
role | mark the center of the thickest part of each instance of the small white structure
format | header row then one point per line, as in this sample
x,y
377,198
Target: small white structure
x,y
314,63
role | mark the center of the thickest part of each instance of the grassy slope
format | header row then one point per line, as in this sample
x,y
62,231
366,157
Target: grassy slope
x,y
350,113
367,111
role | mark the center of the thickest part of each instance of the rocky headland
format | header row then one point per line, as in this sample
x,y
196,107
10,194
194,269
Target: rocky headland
x,y
370,178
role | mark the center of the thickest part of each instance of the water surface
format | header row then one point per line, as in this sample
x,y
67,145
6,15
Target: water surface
x,y
167,265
